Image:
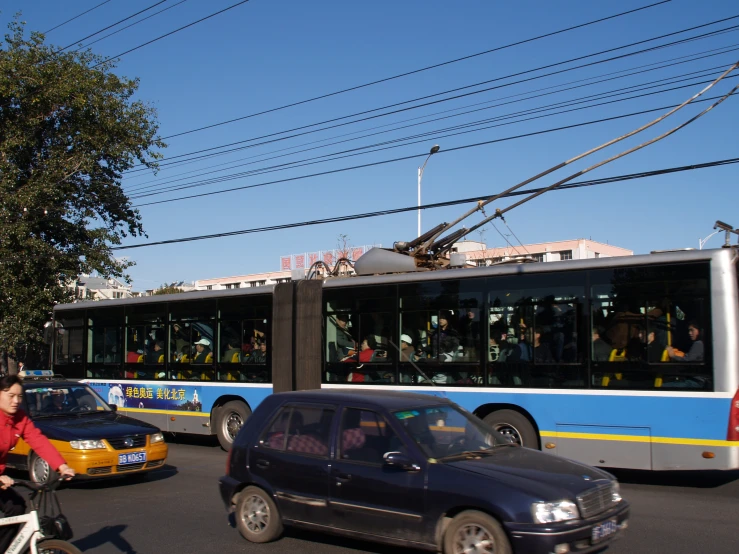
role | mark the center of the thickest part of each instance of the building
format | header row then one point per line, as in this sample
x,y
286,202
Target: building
x,y
98,288
477,253
579,249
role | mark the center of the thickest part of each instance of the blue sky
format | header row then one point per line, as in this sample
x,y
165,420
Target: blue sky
x,y
265,54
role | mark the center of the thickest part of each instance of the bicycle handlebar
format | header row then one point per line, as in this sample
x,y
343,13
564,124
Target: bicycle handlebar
x,y
36,487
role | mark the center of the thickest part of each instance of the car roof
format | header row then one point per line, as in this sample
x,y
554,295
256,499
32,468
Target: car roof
x,y
51,383
387,399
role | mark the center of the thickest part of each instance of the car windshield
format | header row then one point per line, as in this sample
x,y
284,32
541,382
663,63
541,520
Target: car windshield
x,y
47,400
446,433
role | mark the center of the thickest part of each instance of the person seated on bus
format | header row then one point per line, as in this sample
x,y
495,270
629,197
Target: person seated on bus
x,y
157,356
259,356
601,350
655,349
407,352
202,349
443,331
449,349
232,354
542,351
135,356
695,354
345,343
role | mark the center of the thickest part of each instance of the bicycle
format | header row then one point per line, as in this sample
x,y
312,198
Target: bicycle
x,y
46,533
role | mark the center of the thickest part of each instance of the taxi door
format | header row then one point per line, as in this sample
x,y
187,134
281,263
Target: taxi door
x,y
368,496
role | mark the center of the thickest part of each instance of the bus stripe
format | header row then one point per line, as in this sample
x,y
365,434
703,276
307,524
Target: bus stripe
x,y
636,438
165,412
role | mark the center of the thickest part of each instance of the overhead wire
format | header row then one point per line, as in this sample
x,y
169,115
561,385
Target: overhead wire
x,y
147,43
191,155
75,17
611,76
392,211
410,157
155,189
424,138
131,25
420,70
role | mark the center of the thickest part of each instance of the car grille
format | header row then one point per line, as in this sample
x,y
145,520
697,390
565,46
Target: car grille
x,y
99,470
596,500
119,442
129,467
155,463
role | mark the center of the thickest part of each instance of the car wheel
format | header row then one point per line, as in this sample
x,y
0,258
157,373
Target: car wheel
x,y
515,426
474,532
39,471
229,420
257,517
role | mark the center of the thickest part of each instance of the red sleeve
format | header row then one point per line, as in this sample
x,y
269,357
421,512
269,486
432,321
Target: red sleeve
x,y
40,444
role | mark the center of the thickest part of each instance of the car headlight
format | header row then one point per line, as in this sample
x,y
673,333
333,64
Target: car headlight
x,y
87,444
552,512
156,437
616,491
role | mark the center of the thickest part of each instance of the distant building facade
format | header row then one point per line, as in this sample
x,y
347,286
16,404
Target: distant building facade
x,y
98,288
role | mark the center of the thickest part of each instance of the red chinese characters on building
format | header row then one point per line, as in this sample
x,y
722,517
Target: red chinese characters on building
x,y
285,263
328,258
313,257
356,253
300,261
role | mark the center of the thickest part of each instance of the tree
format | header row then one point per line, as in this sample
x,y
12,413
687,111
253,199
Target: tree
x,y
69,128
171,288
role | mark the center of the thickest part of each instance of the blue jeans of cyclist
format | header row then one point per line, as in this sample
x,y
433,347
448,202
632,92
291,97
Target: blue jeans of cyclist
x,y
11,504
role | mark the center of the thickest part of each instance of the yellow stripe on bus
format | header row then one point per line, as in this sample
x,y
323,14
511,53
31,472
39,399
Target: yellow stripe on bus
x,y
165,412
638,438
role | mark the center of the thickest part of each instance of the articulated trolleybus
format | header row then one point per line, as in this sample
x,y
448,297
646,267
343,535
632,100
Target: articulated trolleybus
x,y
628,362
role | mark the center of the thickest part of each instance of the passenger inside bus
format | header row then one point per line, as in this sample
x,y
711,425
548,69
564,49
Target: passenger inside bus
x,y
695,354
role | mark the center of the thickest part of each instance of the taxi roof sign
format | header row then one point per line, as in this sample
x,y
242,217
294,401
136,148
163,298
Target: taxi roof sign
x,y
36,374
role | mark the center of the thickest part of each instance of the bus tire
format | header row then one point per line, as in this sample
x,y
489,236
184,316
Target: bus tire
x,y
515,425
229,420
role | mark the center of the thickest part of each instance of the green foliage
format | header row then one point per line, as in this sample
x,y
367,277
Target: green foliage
x,y
68,131
168,289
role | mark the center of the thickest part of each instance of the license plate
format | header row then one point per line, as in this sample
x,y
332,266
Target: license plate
x,y
604,530
131,458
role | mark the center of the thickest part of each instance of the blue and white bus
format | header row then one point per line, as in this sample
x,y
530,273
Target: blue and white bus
x,y
628,362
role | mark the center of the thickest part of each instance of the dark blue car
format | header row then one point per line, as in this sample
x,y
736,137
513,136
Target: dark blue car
x,y
414,470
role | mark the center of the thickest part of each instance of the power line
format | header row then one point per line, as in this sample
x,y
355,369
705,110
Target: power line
x,y
75,17
110,26
413,156
142,191
413,72
603,78
170,33
379,213
130,25
557,72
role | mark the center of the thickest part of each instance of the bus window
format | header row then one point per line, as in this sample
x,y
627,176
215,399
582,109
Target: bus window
x,y
69,337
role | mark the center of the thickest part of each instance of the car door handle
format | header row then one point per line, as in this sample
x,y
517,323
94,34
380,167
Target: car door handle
x,y
262,464
343,477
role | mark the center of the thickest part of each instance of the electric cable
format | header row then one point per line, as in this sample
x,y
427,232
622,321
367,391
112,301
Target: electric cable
x,y
415,71
75,17
408,108
379,213
150,190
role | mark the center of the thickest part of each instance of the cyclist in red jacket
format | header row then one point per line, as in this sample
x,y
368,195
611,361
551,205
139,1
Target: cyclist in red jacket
x,y
14,424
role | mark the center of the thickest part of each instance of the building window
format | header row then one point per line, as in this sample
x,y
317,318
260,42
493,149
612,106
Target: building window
x,y
538,257
260,283
597,254
208,287
233,285
565,255
283,280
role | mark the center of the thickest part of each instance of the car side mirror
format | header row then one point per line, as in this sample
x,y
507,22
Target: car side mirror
x,y
113,407
400,461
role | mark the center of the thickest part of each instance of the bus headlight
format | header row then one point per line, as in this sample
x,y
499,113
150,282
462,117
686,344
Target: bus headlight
x,y
156,437
552,512
87,444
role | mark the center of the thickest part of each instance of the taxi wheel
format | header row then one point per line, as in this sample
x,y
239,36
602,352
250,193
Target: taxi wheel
x,y
229,420
257,517
39,471
515,426
473,532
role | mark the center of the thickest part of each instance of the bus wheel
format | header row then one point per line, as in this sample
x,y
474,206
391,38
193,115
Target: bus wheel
x,y
514,425
229,420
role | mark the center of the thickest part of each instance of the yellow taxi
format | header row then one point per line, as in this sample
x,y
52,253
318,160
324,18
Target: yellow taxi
x,y
93,438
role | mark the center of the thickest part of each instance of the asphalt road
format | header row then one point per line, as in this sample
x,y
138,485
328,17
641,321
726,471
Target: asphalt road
x,y
178,510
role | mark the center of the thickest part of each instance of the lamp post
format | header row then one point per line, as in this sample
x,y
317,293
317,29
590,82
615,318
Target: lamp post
x,y
702,242
434,150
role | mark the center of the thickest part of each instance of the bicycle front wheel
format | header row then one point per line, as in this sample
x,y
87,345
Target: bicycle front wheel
x,y
55,546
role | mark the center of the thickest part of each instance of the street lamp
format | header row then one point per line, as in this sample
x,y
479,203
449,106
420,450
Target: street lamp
x,y
434,150
702,242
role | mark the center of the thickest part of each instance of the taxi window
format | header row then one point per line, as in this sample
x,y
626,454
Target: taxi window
x,y
45,400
